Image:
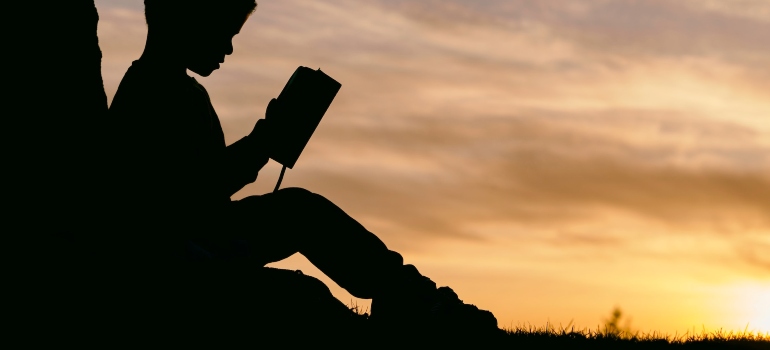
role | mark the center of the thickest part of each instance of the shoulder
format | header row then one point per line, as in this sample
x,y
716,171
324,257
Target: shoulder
x,y
154,93
140,83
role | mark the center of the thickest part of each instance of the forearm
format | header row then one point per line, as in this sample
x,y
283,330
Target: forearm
x,y
244,159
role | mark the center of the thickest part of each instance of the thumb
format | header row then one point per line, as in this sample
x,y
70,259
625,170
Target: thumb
x,y
272,108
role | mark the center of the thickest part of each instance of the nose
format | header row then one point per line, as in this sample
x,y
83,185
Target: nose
x,y
229,48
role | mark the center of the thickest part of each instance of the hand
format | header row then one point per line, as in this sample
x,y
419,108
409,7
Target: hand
x,y
261,135
261,128
264,128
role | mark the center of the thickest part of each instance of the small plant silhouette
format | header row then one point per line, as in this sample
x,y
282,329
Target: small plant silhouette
x,y
613,327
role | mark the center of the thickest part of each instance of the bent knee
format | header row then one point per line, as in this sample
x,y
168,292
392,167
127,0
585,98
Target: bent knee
x,y
293,192
299,195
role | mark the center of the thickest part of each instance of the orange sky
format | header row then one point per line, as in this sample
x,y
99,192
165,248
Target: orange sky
x,y
548,160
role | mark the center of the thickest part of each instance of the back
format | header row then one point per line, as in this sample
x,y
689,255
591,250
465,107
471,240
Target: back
x,y
168,143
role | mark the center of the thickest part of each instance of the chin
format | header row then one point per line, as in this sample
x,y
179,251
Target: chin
x,y
203,71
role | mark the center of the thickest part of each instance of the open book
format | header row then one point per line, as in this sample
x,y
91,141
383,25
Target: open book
x,y
304,101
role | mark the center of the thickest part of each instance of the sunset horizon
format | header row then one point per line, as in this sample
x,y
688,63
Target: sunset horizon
x,y
548,161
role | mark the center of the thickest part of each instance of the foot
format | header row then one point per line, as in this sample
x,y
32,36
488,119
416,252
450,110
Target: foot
x,y
415,304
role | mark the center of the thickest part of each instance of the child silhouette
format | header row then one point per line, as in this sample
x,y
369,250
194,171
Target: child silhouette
x,y
177,175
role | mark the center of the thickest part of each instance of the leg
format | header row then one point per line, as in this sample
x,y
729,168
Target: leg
x,y
293,220
277,225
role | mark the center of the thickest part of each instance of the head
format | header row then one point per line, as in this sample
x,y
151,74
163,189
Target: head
x,y
198,32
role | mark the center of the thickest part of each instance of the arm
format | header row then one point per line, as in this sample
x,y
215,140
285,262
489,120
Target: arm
x,y
246,157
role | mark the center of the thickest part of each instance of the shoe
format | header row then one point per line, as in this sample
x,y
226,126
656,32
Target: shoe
x,y
406,302
450,314
415,305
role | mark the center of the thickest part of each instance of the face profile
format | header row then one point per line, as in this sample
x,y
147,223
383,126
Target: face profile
x,y
193,35
207,45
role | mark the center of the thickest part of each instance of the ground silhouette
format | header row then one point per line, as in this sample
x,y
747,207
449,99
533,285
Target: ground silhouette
x,y
126,223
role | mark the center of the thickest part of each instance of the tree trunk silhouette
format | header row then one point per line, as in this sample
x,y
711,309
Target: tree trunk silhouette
x,y
52,162
59,101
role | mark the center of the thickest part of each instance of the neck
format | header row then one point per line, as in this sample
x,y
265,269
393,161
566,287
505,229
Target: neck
x,y
160,51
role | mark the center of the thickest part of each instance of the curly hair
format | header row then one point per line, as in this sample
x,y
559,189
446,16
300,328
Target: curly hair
x,y
173,12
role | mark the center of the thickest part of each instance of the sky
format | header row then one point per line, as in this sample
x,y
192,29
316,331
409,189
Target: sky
x,y
548,160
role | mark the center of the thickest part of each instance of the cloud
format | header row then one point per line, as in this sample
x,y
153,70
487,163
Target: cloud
x,y
645,27
758,10
135,5
552,165
754,250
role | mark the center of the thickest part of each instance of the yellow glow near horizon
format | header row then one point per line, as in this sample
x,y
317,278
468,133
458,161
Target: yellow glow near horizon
x,y
755,306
